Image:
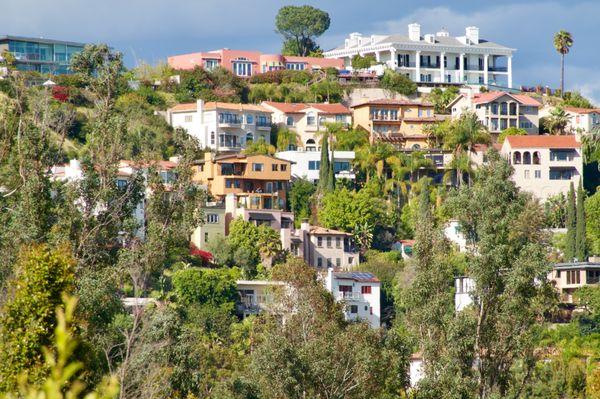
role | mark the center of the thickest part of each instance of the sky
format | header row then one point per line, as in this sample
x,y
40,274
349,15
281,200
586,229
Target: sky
x,y
151,30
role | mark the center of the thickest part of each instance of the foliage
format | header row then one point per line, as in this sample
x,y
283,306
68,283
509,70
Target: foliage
x,y
563,41
259,147
64,375
575,99
350,139
385,266
397,83
442,98
300,25
27,320
571,225
557,122
580,238
286,139
511,131
217,85
592,223
299,197
360,62
205,286
555,211
326,176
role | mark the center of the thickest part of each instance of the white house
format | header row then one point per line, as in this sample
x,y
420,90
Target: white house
x,y
544,165
224,127
463,288
499,110
433,58
307,164
581,120
360,293
454,234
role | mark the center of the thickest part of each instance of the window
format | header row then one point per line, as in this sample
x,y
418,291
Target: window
x,y
296,66
338,242
310,119
121,183
212,218
209,65
517,158
274,167
350,260
314,165
536,158
328,242
538,174
593,277
525,124
503,124
365,289
561,155
494,108
188,118
341,166
212,138
257,167
526,158
513,108
205,237
344,288
353,309
242,68
227,117
263,121
526,174
289,121
503,108
329,264
338,262
249,137
573,277
249,119
319,262
283,167
340,118
319,242
561,174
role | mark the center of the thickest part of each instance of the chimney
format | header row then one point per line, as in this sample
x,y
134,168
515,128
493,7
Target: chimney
x,y
472,34
304,225
443,33
330,280
414,32
429,38
231,203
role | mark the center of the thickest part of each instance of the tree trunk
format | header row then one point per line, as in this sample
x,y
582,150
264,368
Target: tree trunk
x,y
562,75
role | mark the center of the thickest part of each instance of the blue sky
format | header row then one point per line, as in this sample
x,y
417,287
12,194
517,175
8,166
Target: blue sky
x,y
150,30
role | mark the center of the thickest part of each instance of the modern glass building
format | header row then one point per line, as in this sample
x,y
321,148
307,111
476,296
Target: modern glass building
x,y
40,55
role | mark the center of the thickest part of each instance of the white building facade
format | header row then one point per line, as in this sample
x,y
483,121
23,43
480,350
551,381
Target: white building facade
x,y
433,58
544,165
223,127
360,292
307,164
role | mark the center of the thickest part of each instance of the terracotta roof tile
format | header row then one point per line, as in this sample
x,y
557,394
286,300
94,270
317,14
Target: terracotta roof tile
x,y
212,105
484,98
299,108
543,141
324,231
577,110
392,101
330,108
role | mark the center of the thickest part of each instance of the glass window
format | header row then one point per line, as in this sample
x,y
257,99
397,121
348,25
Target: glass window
x,y
310,119
328,242
283,167
338,262
561,155
353,309
314,165
188,118
212,218
257,167
561,174
365,289
319,262
289,121
538,174
274,167
319,242
249,119
338,242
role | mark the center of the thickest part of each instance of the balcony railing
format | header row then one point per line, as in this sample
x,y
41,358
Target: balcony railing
x,y
349,296
498,69
230,120
383,118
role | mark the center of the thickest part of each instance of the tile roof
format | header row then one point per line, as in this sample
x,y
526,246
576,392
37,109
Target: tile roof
x,y
543,141
392,101
484,98
183,107
323,230
298,108
577,110
356,276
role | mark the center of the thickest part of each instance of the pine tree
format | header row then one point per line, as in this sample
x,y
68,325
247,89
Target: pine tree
x,y
580,247
570,247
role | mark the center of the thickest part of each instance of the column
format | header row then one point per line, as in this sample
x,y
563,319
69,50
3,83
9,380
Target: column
x,y
485,69
394,58
509,69
461,67
418,66
378,56
442,68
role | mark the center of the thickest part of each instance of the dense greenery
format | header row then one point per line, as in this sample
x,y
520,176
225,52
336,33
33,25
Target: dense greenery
x,y
300,26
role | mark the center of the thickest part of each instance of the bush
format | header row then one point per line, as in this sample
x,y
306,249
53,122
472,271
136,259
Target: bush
x,y
206,286
398,83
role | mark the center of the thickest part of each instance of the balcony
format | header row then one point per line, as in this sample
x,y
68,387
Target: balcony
x,y
384,118
230,120
263,125
253,303
431,65
498,69
350,296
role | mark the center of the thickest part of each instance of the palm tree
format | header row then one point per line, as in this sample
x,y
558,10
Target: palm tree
x,y
591,146
562,43
371,158
462,136
557,121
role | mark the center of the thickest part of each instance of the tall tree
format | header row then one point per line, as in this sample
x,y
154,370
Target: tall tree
x,y
562,43
508,266
300,26
571,224
580,237
324,175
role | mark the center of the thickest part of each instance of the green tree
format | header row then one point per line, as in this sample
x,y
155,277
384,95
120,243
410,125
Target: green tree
x,y
28,316
580,238
259,147
508,268
592,224
397,83
300,197
326,180
360,62
558,120
511,131
301,25
562,43
206,286
286,139
571,224
351,139
442,98
575,99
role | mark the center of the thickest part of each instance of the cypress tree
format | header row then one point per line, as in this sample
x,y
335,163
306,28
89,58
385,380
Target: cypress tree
x,y
580,247
570,249
331,175
324,183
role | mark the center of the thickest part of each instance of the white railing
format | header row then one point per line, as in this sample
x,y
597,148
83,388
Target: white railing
x,y
349,296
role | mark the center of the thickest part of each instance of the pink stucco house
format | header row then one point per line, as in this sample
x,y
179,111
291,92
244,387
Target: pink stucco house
x,y
247,63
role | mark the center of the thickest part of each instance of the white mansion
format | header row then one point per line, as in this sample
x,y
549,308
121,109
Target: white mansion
x,y
437,58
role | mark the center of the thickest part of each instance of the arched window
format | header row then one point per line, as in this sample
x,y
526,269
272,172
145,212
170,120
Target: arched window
x,y
311,119
249,137
526,158
416,147
289,121
536,158
310,145
517,158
